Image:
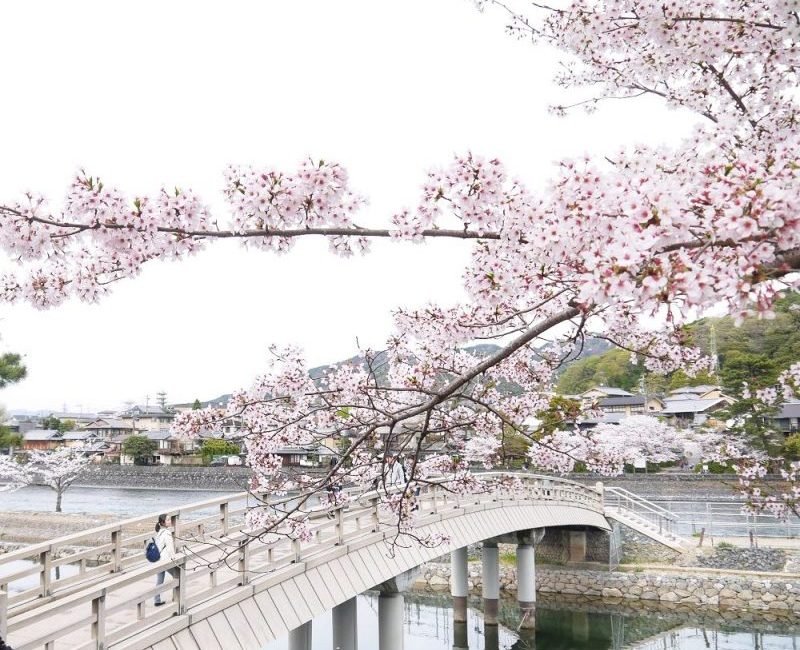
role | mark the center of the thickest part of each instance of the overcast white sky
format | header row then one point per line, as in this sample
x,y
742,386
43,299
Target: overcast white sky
x,y
147,93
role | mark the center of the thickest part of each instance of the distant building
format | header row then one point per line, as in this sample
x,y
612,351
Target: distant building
x,y
78,438
22,423
605,391
605,418
787,420
107,428
171,449
694,411
298,456
78,418
148,418
42,440
630,405
704,391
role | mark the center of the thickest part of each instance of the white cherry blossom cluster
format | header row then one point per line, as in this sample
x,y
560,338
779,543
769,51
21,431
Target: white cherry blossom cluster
x,y
12,474
57,469
607,448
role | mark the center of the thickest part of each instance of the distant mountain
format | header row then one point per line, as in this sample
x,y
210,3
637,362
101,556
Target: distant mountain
x,y
380,367
592,347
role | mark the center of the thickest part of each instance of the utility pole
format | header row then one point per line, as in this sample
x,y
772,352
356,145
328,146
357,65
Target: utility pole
x,y
712,345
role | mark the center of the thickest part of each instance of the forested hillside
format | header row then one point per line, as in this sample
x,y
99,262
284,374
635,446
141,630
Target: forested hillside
x,y
755,352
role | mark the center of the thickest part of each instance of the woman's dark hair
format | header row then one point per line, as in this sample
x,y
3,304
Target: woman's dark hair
x,y
162,521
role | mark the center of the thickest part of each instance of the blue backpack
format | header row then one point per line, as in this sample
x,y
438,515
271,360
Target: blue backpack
x,y
152,553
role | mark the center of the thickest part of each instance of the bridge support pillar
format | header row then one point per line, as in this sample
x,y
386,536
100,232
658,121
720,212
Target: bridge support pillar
x,y
526,585
300,637
491,582
460,636
577,546
391,612
345,625
459,584
491,636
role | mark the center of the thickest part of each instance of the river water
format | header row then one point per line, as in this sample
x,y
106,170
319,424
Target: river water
x,y
588,625
560,625
120,502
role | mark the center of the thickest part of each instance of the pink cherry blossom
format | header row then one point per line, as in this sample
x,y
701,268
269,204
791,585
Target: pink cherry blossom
x,y
644,234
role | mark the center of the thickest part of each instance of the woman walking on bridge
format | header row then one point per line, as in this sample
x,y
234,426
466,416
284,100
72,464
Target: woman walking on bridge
x,y
166,547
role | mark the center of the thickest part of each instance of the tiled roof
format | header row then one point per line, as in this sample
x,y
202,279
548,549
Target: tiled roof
x,y
690,405
697,390
77,435
42,434
161,434
152,410
607,418
611,391
633,400
788,410
109,423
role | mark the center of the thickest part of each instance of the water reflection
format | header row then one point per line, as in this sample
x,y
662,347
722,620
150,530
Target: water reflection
x,y
563,625
119,502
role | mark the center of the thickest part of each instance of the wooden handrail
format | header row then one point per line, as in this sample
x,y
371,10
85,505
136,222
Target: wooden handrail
x,y
361,518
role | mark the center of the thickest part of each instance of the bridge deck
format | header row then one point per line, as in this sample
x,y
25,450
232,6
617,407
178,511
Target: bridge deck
x,y
267,587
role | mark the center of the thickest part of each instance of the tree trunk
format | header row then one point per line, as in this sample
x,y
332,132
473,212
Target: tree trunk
x,y
59,493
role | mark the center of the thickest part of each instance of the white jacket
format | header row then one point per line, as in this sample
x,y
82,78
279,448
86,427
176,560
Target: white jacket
x,y
165,543
394,474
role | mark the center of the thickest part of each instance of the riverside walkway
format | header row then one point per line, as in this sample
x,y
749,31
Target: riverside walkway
x,y
230,588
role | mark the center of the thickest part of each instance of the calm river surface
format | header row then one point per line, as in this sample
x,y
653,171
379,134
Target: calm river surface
x,y
559,626
121,502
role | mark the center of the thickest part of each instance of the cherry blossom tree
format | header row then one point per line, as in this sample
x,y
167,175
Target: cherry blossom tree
x,y
12,474
57,469
640,235
607,448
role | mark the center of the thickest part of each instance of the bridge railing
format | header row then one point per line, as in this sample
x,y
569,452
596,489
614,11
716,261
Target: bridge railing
x,y
37,571
623,499
226,556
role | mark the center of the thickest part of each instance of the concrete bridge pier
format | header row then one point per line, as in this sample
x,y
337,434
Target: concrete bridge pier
x,y
491,636
345,625
526,585
491,582
391,610
460,636
459,584
300,637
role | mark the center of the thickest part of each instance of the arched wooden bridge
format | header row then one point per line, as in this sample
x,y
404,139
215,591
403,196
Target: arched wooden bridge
x,y
95,589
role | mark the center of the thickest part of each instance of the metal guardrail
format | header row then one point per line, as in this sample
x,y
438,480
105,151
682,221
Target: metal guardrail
x,y
728,518
656,515
94,593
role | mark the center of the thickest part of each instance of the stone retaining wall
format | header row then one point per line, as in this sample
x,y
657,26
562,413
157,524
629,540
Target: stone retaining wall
x,y
229,479
636,548
776,593
177,477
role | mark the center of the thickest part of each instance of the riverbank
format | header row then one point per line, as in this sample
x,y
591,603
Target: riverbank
x,y
167,477
21,528
775,594
176,477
